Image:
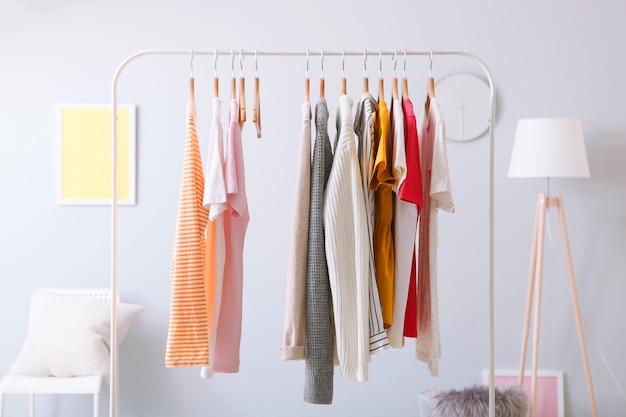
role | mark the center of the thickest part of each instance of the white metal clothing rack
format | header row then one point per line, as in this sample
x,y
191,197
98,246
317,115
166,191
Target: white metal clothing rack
x,y
113,410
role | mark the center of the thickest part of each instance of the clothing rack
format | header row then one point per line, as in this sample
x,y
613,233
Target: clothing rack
x,y
113,387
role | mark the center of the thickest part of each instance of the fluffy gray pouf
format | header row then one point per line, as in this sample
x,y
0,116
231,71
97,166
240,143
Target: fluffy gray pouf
x,y
511,401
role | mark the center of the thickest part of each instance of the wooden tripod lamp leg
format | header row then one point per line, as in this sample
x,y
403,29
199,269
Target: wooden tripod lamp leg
x,y
529,291
537,313
575,304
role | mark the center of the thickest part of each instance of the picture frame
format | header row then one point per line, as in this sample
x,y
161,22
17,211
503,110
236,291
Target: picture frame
x,y
84,154
549,401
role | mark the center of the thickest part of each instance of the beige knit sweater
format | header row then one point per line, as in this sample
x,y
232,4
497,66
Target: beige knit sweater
x,y
294,335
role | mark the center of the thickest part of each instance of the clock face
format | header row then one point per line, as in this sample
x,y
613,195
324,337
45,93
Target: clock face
x,y
464,101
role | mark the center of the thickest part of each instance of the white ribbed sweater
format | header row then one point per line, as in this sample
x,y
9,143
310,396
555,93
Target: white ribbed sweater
x,y
347,250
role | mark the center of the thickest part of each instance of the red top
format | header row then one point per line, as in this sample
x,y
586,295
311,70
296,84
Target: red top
x,y
411,191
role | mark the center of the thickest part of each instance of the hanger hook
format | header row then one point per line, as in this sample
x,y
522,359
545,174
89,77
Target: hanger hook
x,y
380,63
343,63
364,62
191,62
322,65
215,63
307,64
430,65
395,61
404,65
232,63
241,62
256,63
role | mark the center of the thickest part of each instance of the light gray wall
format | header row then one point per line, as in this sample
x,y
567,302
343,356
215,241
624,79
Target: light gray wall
x,y
558,58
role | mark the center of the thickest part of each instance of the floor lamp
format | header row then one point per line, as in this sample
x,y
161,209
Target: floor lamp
x,y
548,148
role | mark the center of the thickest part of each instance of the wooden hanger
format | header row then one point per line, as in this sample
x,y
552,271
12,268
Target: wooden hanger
x,y
307,81
365,79
381,82
307,88
216,81
256,108
394,80
233,80
394,88
343,77
431,95
191,81
242,101
431,88
322,86
256,105
242,92
431,80
405,87
405,81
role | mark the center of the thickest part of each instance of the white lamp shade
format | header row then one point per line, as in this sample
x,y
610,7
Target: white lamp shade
x,y
549,148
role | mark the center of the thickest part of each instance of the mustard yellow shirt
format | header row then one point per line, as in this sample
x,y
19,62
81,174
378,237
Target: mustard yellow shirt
x,y
381,182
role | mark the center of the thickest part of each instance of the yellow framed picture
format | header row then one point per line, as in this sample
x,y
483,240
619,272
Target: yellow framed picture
x,y
84,154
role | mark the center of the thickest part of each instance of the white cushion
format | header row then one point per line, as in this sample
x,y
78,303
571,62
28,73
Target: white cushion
x,y
22,384
69,336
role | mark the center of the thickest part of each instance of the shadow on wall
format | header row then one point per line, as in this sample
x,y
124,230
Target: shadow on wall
x,y
605,196
606,150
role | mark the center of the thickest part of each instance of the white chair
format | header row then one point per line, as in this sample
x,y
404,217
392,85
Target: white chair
x,y
31,385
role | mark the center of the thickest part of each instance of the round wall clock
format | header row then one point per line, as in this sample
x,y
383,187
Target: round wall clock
x,y
464,101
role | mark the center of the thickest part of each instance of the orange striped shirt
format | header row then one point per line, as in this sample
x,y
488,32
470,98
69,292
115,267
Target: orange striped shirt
x,y
187,339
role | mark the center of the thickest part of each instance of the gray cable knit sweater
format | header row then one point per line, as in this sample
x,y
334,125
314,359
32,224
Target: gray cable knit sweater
x,y
318,386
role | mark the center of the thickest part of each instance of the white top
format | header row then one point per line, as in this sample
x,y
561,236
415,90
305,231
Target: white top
x,y
399,152
405,230
214,186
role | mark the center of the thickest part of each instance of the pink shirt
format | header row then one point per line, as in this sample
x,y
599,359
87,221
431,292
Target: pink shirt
x,y
437,191
228,337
